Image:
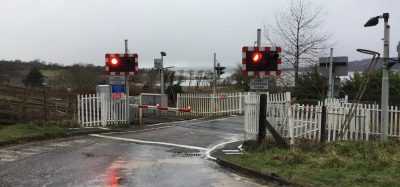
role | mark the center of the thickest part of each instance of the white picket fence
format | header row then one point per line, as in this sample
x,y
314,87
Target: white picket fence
x,y
304,121
276,113
372,114
98,110
210,104
251,116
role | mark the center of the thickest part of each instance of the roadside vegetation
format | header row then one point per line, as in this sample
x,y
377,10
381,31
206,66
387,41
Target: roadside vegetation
x,y
330,164
30,131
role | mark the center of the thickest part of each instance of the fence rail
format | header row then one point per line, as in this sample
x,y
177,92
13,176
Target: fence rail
x,y
304,121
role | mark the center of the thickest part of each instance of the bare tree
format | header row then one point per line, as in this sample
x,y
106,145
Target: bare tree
x,y
209,76
152,76
191,74
199,78
298,32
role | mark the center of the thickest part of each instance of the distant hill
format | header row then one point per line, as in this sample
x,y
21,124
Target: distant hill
x,y
360,65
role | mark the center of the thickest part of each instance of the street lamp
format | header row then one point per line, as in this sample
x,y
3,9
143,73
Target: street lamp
x,y
385,77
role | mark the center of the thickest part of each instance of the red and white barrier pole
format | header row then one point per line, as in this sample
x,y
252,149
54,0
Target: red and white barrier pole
x,y
158,107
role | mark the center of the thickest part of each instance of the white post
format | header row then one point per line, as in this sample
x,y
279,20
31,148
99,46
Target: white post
x,y
241,110
331,85
127,90
214,74
140,109
290,124
78,99
385,80
104,108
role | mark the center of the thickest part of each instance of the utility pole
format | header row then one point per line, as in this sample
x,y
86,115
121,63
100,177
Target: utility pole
x,y
162,76
163,99
385,79
331,85
127,89
214,75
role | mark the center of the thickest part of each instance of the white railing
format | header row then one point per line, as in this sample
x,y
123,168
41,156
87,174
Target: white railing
x,y
373,112
97,110
276,113
210,104
251,116
304,121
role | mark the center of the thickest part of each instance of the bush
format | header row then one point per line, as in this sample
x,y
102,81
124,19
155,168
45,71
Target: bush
x,y
308,101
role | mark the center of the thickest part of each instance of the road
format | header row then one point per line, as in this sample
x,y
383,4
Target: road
x,y
170,154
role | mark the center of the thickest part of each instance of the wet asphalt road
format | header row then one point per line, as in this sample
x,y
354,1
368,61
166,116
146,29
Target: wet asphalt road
x,y
171,154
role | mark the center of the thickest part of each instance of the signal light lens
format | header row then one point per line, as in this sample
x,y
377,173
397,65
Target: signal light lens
x,y
114,61
256,57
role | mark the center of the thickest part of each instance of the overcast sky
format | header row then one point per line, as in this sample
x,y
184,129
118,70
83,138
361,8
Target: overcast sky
x,y
82,31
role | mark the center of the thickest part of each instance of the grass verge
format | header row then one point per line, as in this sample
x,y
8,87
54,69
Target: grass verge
x,y
23,132
330,164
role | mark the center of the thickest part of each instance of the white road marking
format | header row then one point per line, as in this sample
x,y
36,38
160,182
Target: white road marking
x,y
233,153
104,128
174,122
226,150
150,142
212,149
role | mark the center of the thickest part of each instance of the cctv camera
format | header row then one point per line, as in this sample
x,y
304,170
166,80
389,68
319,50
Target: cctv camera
x,y
163,53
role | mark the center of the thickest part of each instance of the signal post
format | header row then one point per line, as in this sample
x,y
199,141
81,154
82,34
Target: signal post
x,y
119,67
262,62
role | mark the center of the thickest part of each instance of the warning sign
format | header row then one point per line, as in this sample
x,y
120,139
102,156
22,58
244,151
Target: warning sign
x,y
259,84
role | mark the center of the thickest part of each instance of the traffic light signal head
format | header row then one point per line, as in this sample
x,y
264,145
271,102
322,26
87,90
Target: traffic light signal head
x,y
114,61
256,57
122,64
220,70
261,61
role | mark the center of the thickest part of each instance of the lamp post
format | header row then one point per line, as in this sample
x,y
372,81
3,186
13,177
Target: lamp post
x,y
385,77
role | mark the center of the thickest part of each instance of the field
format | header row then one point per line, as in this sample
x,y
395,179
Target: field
x,y
18,104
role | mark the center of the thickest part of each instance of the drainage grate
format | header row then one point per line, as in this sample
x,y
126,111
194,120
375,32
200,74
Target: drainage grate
x,y
186,154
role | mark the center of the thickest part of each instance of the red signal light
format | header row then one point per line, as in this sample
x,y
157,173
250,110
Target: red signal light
x,y
114,61
256,57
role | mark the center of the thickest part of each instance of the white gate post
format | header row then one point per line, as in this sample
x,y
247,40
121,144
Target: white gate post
x,y
290,124
79,109
103,109
178,97
140,109
241,110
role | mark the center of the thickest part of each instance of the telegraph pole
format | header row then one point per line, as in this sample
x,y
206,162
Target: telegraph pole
x,y
162,76
127,89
